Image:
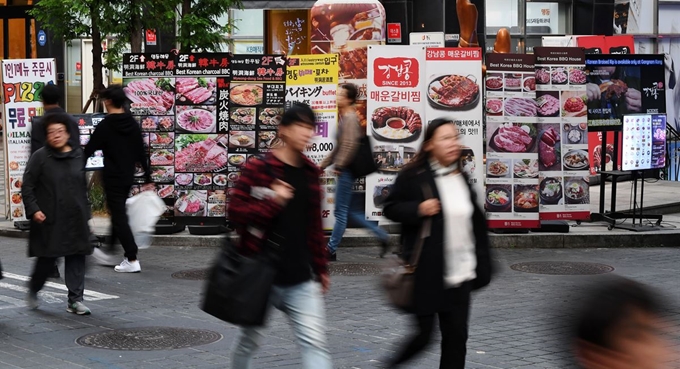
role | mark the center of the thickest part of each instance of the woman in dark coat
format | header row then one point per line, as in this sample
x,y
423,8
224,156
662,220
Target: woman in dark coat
x,y
455,257
55,196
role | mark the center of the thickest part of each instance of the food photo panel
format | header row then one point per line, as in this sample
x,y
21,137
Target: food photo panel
x,y
196,119
200,153
193,203
269,118
242,141
520,107
548,104
525,198
494,106
498,198
150,96
550,148
516,138
161,140
575,133
498,168
525,169
574,104
577,190
453,92
195,91
396,124
543,76
513,82
551,191
242,118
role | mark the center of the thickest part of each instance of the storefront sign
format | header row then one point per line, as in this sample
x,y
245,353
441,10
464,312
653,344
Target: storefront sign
x,y
288,31
22,83
513,141
87,123
42,38
459,97
313,80
150,37
427,39
396,102
394,33
563,133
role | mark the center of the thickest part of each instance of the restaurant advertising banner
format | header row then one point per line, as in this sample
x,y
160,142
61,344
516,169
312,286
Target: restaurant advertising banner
x,y
22,83
87,123
563,161
396,104
513,140
457,96
313,80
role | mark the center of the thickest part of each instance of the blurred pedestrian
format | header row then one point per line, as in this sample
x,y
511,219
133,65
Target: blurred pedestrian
x,y
50,97
344,153
454,259
620,327
55,195
120,139
278,199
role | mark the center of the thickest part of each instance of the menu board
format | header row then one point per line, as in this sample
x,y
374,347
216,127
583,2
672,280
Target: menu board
x,y
623,84
396,83
22,84
457,96
513,139
563,161
87,123
644,141
313,80
348,28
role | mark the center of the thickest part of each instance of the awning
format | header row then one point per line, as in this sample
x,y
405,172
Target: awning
x,y
278,4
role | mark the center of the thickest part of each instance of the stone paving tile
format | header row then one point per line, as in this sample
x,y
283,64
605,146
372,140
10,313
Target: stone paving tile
x,y
518,322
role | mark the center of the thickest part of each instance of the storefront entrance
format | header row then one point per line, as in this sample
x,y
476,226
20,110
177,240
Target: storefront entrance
x,y
17,30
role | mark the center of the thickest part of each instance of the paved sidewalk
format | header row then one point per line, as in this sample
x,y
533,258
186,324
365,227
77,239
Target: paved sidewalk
x,y
518,322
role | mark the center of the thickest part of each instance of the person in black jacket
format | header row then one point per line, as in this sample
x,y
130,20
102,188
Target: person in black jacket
x,y
55,195
455,257
120,138
50,100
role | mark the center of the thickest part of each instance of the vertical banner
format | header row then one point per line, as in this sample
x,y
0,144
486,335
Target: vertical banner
x,y
457,96
396,82
313,80
22,84
563,161
513,139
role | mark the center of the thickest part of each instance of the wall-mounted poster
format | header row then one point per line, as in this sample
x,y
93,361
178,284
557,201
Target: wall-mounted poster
x,y
563,160
511,197
313,79
22,84
396,104
458,96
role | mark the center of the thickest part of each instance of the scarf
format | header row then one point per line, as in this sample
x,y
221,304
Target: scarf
x,y
440,171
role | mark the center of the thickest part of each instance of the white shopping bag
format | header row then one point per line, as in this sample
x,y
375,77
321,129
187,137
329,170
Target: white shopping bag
x,y
144,210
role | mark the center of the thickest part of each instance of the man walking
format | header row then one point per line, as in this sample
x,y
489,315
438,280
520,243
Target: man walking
x,y
120,139
344,153
50,97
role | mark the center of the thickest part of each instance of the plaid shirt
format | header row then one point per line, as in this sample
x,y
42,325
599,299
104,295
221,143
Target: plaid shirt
x,y
254,214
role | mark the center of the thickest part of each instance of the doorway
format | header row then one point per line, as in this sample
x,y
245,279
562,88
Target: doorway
x,y
17,30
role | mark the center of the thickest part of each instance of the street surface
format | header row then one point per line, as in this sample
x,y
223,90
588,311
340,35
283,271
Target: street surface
x,y
520,321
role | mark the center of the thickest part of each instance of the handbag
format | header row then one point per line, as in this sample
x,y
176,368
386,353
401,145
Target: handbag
x,y
238,286
363,163
398,276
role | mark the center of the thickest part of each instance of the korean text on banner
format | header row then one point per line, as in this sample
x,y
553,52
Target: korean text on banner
x,y
396,108
22,84
513,142
313,80
563,133
458,97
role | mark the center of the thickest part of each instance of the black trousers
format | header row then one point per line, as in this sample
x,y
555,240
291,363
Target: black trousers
x,y
74,275
120,227
454,328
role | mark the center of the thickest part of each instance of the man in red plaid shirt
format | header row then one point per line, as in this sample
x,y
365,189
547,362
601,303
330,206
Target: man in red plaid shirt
x,y
278,199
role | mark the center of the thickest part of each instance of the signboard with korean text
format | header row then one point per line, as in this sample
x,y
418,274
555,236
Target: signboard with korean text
x,y
22,84
396,108
288,31
427,39
313,80
511,197
458,96
563,160
87,123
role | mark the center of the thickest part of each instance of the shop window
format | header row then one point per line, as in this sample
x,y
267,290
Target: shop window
x,y
74,77
248,23
248,47
669,19
502,14
634,17
548,18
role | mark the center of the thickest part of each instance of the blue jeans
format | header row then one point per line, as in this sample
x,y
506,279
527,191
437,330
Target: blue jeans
x,y
304,305
344,210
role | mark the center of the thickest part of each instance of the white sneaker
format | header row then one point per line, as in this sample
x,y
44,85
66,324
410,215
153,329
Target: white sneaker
x,y
128,267
102,258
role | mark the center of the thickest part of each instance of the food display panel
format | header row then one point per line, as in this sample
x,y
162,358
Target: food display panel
x,y
396,105
23,81
644,141
563,160
458,96
312,79
511,197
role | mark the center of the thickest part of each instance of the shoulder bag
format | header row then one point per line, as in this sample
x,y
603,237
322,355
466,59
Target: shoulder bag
x,y
364,162
238,287
398,276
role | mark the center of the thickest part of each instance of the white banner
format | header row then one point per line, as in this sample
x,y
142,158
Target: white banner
x,y
396,116
458,96
22,83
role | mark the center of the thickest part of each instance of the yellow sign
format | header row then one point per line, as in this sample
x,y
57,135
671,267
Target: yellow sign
x,y
313,70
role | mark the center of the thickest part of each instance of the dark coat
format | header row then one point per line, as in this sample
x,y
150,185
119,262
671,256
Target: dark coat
x,y
54,183
431,295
